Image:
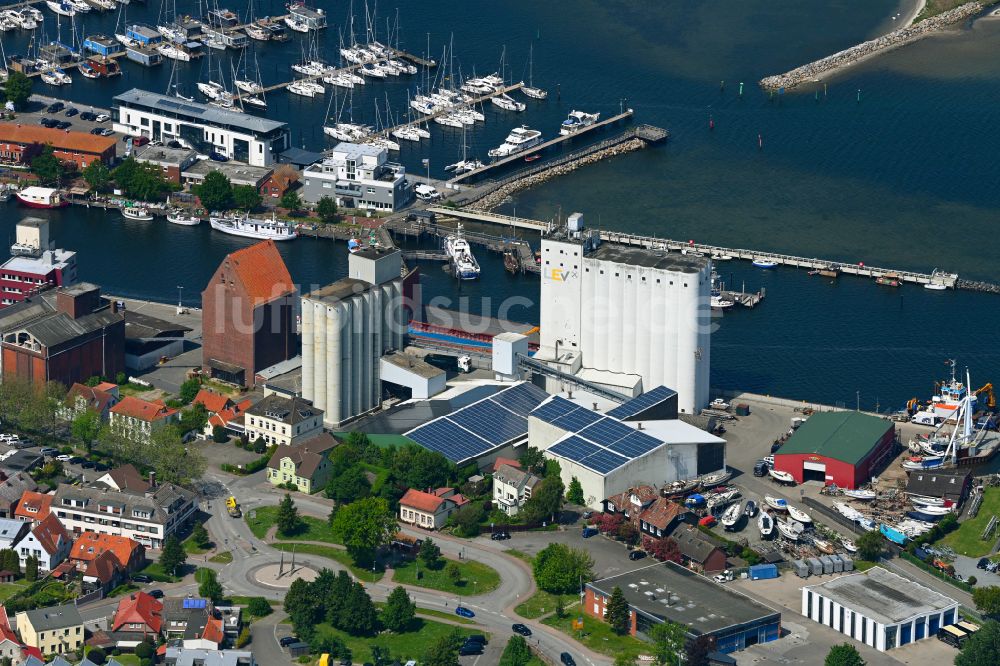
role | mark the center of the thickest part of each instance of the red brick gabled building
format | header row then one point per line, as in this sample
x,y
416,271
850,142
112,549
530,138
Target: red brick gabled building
x,y
250,312
20,143
139,613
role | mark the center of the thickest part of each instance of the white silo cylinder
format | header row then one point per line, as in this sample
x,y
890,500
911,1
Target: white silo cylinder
x,y
335,354
308,351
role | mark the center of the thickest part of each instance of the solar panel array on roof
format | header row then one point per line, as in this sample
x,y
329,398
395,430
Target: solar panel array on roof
x,y
194,603
642,402
482,426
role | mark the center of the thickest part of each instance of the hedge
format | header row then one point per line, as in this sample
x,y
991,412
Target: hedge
x,y
251,467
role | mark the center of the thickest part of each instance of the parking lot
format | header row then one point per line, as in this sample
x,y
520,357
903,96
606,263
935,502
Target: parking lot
x,y
38,109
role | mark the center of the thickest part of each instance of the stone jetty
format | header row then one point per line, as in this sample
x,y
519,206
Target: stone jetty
x,y
815,70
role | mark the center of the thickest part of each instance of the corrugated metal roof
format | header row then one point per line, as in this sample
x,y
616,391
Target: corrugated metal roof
x,y
196,111
844,436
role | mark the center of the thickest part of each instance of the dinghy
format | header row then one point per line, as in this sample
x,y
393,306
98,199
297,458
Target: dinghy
x,y
799,515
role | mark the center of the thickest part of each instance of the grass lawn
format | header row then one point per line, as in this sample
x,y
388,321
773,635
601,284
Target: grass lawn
x,y
7,590
156,572
519,554
191,548
313,529
430,612
123,589
410,645
240,600
965,540
222,558
864,565
539,604
334,554
477,578
598,636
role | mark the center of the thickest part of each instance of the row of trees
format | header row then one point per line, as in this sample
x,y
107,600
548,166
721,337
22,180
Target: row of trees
x,y
162,451
17,89
30,407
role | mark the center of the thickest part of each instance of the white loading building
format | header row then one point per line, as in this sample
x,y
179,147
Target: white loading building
x,y
626,318
609,452
347,327
239,136
879,608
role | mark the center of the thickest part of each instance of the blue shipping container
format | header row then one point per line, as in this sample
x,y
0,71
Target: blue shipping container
x,y
759,571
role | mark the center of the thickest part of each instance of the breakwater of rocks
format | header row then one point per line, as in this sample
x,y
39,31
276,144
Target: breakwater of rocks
x,y
496,196
815,70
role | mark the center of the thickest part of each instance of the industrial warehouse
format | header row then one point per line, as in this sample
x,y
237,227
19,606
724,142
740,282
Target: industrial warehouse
x,y
842,448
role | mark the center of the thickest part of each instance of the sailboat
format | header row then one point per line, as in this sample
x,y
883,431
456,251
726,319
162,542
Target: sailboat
x,y
765,524
253,89
465,165
732,516
530,90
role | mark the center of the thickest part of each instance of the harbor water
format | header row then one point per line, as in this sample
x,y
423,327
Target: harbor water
x,y
891,163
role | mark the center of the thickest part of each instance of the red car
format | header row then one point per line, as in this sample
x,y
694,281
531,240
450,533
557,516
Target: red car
x,y
707,521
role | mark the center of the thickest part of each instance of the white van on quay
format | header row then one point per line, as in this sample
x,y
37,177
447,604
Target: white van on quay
x,y
426,192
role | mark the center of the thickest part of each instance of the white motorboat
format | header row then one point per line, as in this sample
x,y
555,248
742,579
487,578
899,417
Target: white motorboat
x,y
56,77
87,71
318,87
171,33
296,24
781,477
125,40
576,121
407,134
300,88
382,142
182,218
717,302
776,503
140,213
248,86
80,6
799,515
507,103
848,545
710,481
848,511
214,41
248,227
765,524
463,261
449,120
732,516
372,69
211,89
764,263
257,32
721,257
464,166
932,510
927,501
254,100
520,139
860,495
790,529
935,286
34,13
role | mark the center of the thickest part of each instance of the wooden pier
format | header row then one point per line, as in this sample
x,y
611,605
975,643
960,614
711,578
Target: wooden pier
x,y
939,279
504,161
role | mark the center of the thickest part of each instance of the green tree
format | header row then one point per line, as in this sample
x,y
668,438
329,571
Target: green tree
x,y
172,556
532,460
246,197
189,390
244,638
546,500
31,568
287,520
144,650
193,418
843,655
219,434
359,617
258,607
443,651
200,536
668,643
141,180
327,210
517,652
560,609
209,586
169,456
215,192
291,201
982,647
398,611
85,428
618,614
303,607
453,572
574,494
870,546
364,526
97,175
48,167
467,520
430,554
9,561
349,486
987,599
17,89
97,656
560,569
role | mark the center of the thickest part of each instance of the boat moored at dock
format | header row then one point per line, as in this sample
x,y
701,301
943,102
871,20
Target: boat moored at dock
x,y
41,197
249,227
140,213
463,261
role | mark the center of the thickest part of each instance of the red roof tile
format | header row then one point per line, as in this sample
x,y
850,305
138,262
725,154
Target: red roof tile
x,y
214,631
104,567
48,532
138,608
421,501
505,461
262,271
227,415
33,506
96,398
213,402
143,410
661,513
90,545
61,140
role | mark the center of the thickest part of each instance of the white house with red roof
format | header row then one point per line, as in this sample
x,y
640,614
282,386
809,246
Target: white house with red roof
x,y
48,541
429,510
138,418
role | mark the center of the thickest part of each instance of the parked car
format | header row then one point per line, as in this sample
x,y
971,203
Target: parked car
x,y
88,464
775,447
723,577
636,555
97,131
49,451
102,118
45,122
707,521
769,460
500,536
760,469
464,612
587,515
521,629
476,638
64,458
55,107
102,467
63,124
77,460
983,563
106,131
470,648
589,532
156,594
174,144
87,115
141,578
285,641
567,659
71,111
218,157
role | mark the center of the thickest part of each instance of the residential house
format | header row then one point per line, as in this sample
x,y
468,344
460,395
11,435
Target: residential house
x,y
181,656
512,488
53,630
33,507
138,614
128,553
698,550
632,502
231,618
11,646
501,461
48,541
103,573
193,620
307,464
429,510
12,532
125,478
138,418
284,421
662,517
82,398
222,412
148,518
13,485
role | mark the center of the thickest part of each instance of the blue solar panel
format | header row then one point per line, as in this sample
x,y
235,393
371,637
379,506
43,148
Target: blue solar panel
x,y
604,461
642,402
606,431
574,448
553,409
635,445
491,422
577,420
452,441
520,399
